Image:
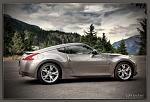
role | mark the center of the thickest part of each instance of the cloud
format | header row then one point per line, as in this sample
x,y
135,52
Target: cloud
x,y
128,30
30,8
116,20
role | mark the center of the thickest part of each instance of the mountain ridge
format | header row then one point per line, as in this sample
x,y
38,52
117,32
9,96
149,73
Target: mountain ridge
x,y
40,37
131,44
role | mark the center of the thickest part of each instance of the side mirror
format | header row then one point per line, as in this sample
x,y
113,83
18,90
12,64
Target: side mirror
x,y
94,52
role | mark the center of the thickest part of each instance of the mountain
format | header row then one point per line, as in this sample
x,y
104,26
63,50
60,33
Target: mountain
x,y
12,25
131,44
18,25
36,36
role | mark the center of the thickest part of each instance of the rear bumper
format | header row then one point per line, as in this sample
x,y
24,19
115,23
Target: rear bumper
x,y
27,68
25,74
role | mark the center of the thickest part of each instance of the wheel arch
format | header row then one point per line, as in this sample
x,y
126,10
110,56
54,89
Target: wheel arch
x,y
48,61
114,65
127,61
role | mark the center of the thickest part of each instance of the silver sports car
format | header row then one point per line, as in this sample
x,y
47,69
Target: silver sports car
x,y
51,64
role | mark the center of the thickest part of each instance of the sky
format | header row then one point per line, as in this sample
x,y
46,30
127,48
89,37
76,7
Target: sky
x,y
117,21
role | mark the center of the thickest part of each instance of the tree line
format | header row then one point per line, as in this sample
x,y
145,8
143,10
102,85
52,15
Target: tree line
x,y
23,41
102,44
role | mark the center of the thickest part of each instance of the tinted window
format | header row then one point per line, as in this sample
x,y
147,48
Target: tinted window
x,y
78,49
62,49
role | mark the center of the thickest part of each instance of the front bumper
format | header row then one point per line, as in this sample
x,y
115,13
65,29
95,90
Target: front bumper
x,y
135,73
135,69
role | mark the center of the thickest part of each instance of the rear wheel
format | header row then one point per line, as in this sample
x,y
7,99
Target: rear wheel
x,y
49,73
123,71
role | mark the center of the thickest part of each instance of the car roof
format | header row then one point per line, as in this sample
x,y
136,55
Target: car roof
x,y
65,44
68,44
56,46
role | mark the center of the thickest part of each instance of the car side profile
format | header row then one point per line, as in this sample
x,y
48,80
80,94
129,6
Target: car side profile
x,y
51,64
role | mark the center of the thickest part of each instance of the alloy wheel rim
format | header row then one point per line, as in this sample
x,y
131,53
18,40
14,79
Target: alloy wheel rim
x,y
124,71
49,73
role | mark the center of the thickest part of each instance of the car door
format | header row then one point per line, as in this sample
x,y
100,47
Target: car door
x,y
83,62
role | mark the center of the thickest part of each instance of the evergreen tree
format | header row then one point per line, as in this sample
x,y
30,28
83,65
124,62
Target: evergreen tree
x,y
143,29
91,32
143,35
17,44
28,40
104,42
106,45
122,48
8,34
99,45
109,47
90,37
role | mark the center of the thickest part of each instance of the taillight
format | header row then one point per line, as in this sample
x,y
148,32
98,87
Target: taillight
x,y
30,57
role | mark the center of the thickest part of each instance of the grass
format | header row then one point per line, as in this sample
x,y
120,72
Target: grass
x,y
12,58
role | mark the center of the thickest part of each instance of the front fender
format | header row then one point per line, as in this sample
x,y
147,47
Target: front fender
x,y
116,61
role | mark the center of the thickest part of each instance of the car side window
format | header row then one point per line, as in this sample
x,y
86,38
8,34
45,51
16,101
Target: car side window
x,y
62,49
78,49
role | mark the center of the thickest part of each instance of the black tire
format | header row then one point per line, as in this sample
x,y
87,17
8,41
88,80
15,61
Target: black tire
x,y
48,75
118,72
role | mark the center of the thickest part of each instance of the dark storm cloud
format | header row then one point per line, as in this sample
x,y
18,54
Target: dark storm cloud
x,y
30,8
66,14
114,12
81,13
121,9
111,18
83,17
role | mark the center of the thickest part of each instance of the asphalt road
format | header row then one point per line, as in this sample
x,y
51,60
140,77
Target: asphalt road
x,y
17,87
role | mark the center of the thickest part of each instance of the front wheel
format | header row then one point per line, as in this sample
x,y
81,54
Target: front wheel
x,y
123,71
49,73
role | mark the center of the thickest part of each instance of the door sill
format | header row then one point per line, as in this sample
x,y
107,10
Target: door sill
x,y
100,75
